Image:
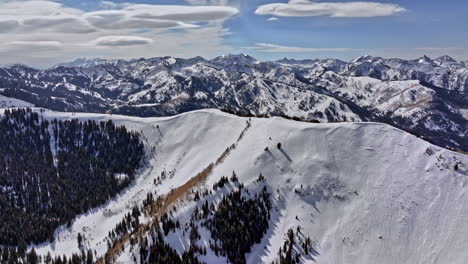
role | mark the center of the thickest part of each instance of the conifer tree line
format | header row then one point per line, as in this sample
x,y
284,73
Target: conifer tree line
x,y
50,171
13,255
237,214
234,214
295,248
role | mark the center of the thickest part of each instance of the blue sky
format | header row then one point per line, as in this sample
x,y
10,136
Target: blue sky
x,y
432,24
265,29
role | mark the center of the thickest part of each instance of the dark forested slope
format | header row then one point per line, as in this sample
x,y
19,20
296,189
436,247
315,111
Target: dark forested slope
x,y
52,170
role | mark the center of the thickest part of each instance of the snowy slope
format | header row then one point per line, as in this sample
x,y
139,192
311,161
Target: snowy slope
x,y
187,137
364,192
6,102
360,181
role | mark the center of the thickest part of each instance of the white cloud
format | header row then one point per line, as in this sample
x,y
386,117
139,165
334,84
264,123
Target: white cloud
x,y
272,19
50,16
8,25
266,47
304,8
59,23
157,16
21,9
208,2
43,44
18,48
121,41
183,13
43,32
122,20
37,16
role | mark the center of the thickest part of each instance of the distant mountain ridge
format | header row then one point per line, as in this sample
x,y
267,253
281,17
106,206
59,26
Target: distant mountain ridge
x,y
428,97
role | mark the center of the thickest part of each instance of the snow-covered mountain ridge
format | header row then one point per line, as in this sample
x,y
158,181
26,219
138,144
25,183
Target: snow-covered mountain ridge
x,y
363,192
424,96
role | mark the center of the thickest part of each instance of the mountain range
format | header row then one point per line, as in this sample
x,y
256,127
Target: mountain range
x,y
427,97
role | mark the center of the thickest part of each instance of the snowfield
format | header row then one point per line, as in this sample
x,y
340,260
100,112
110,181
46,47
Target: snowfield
x,y
364,192
6,102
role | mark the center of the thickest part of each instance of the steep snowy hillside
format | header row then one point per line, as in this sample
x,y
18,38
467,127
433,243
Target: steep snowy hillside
x,y
426,97
362,192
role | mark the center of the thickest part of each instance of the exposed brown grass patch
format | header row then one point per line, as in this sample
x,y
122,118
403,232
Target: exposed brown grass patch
x,y
225,154
244,131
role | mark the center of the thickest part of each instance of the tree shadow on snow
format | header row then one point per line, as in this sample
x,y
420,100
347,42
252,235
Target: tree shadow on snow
x,y
286,155
160,132
262,250
313,253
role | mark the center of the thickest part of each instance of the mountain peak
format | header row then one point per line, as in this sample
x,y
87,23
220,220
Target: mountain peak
x,y
446,58
244,58
83,62
18,66
365,58
424,59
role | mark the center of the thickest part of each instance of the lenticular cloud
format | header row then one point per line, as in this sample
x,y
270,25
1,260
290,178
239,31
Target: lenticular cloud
x,y
304,8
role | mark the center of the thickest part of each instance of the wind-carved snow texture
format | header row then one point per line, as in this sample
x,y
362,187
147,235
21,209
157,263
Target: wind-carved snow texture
x,y
428,97
363,192
326,188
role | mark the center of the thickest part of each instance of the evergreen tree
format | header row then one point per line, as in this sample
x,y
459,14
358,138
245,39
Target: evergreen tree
x,y
55,169
32,257
80,240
